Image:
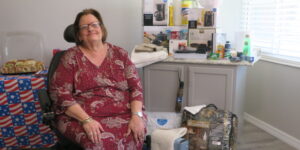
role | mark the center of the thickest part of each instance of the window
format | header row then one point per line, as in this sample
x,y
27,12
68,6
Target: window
x,y
274,26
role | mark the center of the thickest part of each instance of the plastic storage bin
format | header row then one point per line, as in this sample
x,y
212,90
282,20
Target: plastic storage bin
x,y
22,45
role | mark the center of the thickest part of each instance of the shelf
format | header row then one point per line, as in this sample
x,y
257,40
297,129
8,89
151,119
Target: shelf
x,y
174,27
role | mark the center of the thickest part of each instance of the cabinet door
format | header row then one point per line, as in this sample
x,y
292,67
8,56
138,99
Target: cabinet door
x,y
161,83
211,85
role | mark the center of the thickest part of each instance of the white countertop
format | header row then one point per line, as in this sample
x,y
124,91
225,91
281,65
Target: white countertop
x,y
208,61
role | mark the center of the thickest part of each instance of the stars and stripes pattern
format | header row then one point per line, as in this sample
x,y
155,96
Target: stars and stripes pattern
x,y
28,107
27,96
21,83
3,99
11,141
23,140
44,129
4,110
11,85
2,90
35,139
13,97
20,130
31,118
18,120
24,84
38,83
5,121
15,109
20,113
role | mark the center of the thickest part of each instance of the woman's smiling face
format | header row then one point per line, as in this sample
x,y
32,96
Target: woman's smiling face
x,y
90,29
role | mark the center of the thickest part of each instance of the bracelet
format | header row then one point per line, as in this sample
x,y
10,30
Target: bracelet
x,y
87,120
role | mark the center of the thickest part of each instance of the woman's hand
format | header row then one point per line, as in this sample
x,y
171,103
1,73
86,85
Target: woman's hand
x,y
93,130
137,127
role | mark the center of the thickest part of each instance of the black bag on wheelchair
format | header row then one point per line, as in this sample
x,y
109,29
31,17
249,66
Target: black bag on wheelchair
x,y
45,100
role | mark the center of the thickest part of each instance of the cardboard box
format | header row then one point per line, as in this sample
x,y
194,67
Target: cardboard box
x,y
198,132
200,35
160,12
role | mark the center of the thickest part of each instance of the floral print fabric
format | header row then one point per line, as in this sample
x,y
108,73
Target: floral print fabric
x,y
104,92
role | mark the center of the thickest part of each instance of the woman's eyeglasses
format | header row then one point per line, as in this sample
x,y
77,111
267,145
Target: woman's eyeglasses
x,y
93,25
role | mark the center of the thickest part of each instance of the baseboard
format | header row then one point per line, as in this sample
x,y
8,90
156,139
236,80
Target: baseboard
x,y
292,141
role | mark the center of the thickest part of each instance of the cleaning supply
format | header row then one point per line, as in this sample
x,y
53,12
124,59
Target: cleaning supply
x,y
179,97
247,46
171,13
177,12
185,6
220,50
227,53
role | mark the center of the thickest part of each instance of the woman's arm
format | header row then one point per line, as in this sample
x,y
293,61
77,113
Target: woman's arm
x,y
136,106
136,123
75,111
91,127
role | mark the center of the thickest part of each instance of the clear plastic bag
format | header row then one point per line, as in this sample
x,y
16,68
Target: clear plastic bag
x,y
210,3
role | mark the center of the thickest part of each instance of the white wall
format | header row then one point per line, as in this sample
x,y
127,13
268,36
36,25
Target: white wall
x,y
228,18
273,96
123,20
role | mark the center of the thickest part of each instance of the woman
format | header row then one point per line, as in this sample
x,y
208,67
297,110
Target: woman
x,y
96,91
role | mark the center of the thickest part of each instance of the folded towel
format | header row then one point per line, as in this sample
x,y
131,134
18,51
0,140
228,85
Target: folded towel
x,y
194,109
142,59
163,139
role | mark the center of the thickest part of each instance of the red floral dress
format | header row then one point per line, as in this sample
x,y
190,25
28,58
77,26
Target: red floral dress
x,y
104,92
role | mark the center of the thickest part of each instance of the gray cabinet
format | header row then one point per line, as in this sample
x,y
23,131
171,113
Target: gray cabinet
x,y
161,82
223,85
210,85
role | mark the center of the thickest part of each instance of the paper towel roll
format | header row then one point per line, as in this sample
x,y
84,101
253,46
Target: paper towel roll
x,y
177,12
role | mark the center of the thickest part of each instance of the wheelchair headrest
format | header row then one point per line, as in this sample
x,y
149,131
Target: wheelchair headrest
x,y
69,34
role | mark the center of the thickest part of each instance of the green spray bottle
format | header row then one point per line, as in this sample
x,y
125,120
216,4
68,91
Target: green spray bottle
x,y
247,46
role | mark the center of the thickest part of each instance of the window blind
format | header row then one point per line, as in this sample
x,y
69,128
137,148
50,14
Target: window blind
x,y
274,26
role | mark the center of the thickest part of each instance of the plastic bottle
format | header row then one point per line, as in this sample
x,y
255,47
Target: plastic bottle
x,y
171,13
185,6
247,46
179,97
220,50
209,48
177,12
227,49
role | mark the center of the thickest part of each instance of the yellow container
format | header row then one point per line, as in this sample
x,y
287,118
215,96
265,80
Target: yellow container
x,y
185,6
171,15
